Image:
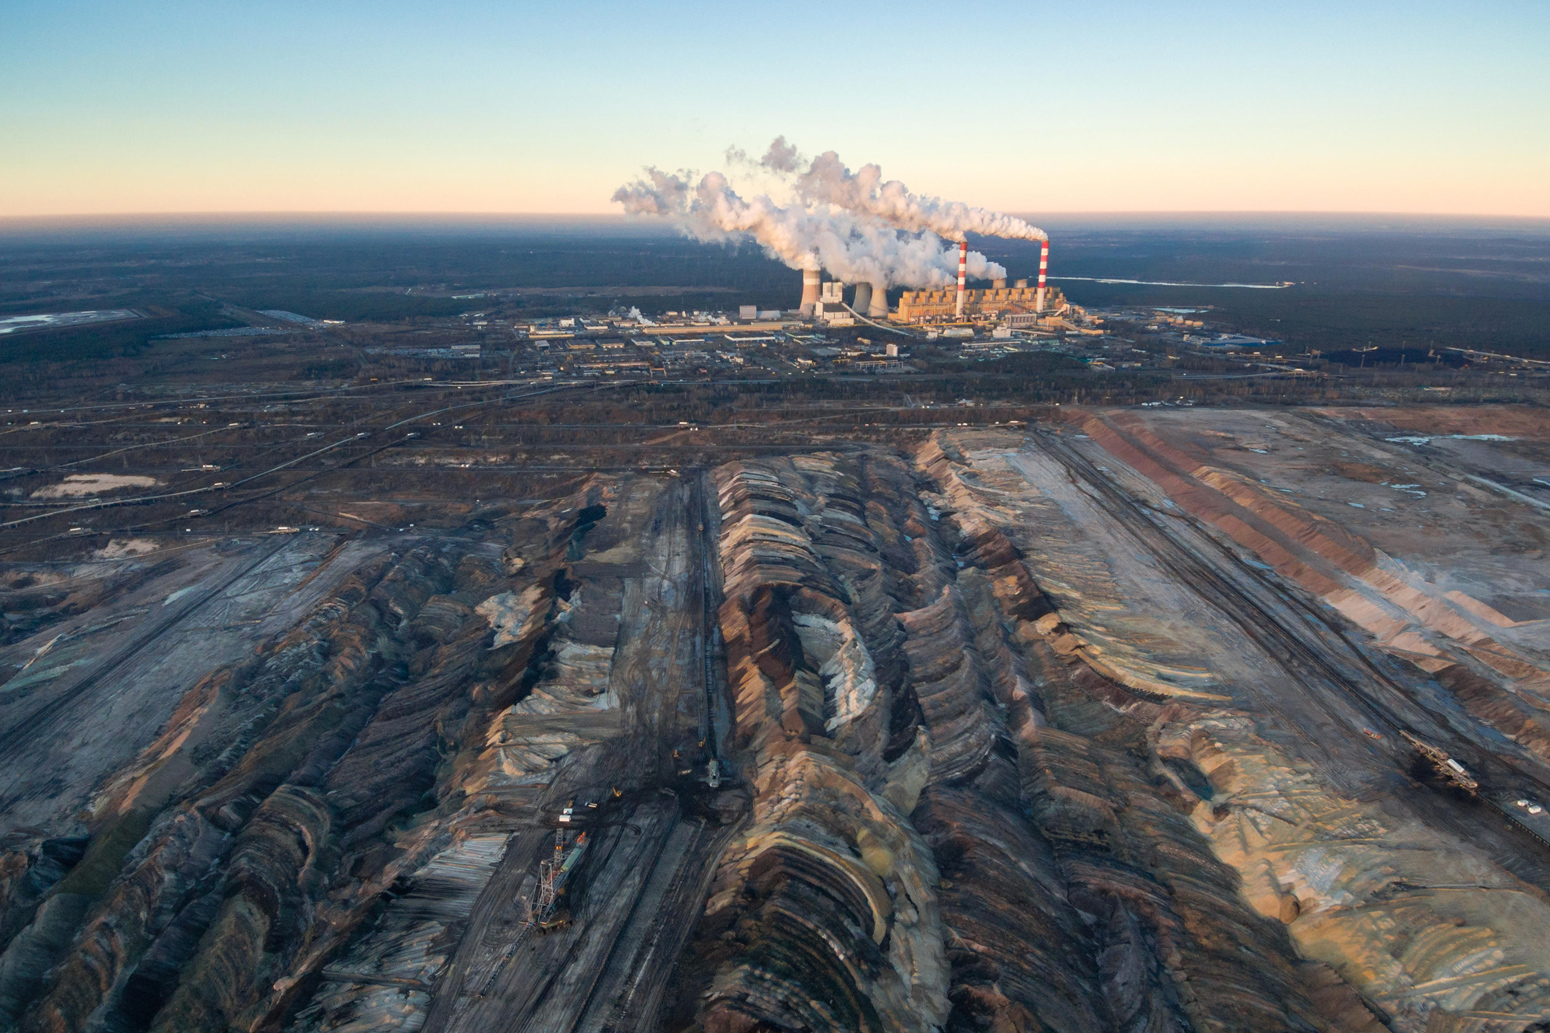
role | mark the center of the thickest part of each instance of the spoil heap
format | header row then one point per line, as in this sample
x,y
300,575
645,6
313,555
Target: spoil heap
x,y
1016,732
826,915
256,836
966,823
1208,817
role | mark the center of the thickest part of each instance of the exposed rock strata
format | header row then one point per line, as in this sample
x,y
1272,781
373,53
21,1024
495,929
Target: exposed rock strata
x,y
252,839
1188,838
890,653
1421,925
825,916
1440,630
992,764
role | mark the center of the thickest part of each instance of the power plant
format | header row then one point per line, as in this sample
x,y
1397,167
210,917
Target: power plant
x,y
877,305
937,306
823,299
861,230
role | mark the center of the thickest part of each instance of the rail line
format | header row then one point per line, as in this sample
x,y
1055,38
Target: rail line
x,y
1257,623
1310,669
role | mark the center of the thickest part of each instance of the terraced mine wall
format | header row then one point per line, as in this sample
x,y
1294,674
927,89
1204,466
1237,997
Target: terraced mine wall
x,y
923,812
1274,728
306,838
1074,728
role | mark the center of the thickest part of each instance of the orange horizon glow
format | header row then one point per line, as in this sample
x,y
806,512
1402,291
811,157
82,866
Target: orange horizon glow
x,y
1066,186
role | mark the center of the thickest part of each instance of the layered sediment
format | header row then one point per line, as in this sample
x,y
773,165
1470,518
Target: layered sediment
x,y
825,915
990,827
1086,728
1211,833
257,835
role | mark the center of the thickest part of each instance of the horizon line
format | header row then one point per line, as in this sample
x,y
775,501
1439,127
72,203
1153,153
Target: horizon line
x,y
270,214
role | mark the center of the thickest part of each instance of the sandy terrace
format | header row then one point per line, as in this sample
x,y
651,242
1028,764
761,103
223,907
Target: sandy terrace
x,y
77,485
1422,506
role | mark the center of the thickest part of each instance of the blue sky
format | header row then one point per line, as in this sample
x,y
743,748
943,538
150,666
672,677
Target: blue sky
x,y
344,106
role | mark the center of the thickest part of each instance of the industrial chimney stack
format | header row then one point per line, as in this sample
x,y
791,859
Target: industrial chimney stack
x,y
810,284
963,273
863,299
1038,301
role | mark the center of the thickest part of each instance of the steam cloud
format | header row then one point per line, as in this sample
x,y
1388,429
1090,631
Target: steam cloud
x,y
782,156
859,228
827,181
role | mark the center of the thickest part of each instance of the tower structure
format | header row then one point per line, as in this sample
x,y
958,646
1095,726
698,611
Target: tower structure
x,y
963,273
1038,304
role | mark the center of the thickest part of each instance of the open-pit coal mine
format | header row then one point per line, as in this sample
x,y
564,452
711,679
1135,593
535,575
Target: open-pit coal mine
x,y
433,715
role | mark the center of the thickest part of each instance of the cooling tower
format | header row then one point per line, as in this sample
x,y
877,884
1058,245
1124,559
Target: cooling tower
x,y
863,298
963,273
1020,284
999,283
878,309
810,282
1038,301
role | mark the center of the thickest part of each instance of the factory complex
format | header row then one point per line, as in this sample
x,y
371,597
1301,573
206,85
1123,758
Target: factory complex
x,y
999,301
825,301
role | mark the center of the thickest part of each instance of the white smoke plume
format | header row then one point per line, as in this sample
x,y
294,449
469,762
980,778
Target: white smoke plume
x,y
828,181
781,157
855,249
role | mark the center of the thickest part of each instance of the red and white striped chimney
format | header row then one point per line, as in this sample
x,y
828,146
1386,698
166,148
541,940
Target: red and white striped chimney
x,y
1038,300
963,272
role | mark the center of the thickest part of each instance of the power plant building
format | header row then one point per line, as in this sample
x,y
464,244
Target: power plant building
x,y
825,301
831,307
923,306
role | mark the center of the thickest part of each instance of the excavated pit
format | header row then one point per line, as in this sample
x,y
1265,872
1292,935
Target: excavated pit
x,y
1097,725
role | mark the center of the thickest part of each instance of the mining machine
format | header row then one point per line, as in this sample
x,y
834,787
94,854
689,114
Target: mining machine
x,y
1450,770
550,910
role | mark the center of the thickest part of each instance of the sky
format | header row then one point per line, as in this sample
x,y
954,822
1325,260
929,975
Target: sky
x,y
384,106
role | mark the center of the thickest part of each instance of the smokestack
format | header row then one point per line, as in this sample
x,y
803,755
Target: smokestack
x,y
810,281
1038,301
879,307
963,273
863,298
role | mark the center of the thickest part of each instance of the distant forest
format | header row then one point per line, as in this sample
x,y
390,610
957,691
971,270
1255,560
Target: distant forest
x,y
1425,286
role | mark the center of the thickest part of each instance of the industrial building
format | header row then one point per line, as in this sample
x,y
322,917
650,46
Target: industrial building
x,y
830,306
825,300
922,306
